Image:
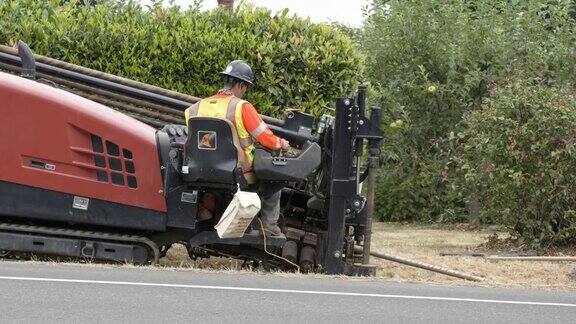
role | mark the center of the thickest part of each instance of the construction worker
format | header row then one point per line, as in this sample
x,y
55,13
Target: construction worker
x,y
228,104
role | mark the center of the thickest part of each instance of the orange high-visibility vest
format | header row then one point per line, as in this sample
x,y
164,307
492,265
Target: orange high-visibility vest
x,y
230,108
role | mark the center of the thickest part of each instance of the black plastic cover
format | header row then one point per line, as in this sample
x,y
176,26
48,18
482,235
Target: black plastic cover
x,y
180,214
268,167
209,152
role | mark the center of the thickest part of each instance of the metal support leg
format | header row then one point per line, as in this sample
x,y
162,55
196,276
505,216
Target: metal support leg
x,y
373,163
342,186
333,258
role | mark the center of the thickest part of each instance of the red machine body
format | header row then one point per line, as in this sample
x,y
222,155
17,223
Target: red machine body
x,y
54,140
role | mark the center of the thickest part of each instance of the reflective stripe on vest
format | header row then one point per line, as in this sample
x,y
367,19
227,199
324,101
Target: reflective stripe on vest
x,y
226,108
191,111
234,114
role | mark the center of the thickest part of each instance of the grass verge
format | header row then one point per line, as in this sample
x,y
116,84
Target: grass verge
x,y
424,243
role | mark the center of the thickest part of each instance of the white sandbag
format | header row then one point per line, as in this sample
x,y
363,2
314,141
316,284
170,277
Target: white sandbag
x,y
238,215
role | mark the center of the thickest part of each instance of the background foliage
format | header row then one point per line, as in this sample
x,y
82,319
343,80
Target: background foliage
x,y
435,61
519,152
298,64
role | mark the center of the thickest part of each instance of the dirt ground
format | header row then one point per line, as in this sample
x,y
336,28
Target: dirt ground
x,y
424,243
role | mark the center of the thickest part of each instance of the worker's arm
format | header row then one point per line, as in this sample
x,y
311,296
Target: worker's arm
x,y
259,130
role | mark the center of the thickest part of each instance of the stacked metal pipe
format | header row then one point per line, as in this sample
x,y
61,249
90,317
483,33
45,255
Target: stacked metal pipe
x,y
152,105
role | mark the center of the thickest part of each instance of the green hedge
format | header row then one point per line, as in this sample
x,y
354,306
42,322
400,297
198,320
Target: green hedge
x,y
298,64
519,153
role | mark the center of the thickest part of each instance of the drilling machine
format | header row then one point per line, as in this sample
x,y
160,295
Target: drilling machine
x,y
101,167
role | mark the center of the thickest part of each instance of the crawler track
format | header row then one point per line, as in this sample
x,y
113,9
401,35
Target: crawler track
x,y
79,234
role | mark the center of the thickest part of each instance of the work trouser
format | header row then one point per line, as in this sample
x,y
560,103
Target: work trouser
x,y
269,193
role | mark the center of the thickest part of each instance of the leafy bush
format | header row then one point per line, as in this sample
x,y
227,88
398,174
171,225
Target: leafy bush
x,y
519,151
298,64
435,60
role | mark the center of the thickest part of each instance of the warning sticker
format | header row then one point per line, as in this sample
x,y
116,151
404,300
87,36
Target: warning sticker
x,y
80,203
207,140
189,197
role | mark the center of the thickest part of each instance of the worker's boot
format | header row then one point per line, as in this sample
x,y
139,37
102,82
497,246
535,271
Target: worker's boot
x,y
273,230
270,213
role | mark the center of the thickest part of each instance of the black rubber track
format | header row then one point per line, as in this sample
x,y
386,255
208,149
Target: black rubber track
x,y
70,233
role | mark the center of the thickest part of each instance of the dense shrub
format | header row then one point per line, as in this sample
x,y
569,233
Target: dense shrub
x,y
298,64
435,60
519,152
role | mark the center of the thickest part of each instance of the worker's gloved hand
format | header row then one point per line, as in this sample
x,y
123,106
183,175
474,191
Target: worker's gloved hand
x,y
292,152
284,144
286,150
289,152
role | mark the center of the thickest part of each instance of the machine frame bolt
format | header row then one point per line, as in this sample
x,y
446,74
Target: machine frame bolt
x,y
337,255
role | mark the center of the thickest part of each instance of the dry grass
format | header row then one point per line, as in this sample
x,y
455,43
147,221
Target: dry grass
x,y
177,257
424,243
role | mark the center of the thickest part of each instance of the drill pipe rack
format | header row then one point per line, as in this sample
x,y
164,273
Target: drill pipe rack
x,y
150,104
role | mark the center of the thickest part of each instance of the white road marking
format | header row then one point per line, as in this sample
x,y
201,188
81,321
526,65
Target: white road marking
x,y
307,292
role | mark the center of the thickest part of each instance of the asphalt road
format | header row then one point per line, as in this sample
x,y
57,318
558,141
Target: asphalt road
x,y
48,293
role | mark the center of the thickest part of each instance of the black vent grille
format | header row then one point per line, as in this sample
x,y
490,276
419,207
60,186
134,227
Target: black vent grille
x,y
120,170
